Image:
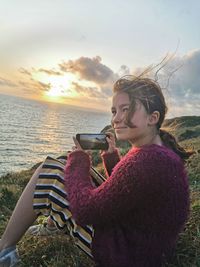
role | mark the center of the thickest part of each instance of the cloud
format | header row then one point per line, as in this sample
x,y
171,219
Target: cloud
x,y
47,71
94,80
124,70
24,71
30,85
180,82
89,91
183,91
5,82
186,80
50,72
34,86
90,69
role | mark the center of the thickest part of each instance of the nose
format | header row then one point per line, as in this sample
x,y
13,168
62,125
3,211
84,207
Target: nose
x,y
118,117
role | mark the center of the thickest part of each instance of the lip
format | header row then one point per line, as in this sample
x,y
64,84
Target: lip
x,y
119,128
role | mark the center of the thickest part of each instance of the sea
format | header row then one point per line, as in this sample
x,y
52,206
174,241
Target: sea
x,y
31,130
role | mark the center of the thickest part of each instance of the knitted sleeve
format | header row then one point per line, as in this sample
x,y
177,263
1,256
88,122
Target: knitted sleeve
x,y
110,160
115,197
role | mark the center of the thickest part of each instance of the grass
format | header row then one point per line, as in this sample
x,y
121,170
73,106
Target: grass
x,y
187,252
59,251
54,251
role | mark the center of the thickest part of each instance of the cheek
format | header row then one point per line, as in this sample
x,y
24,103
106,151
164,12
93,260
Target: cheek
x,y
112,123
139,121
136,119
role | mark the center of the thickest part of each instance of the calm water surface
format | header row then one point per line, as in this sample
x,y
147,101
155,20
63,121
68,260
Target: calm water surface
x,y
31,130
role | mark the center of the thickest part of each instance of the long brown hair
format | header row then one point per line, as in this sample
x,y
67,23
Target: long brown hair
x,y
149,93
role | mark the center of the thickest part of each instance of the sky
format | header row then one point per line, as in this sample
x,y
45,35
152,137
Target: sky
x,y
73,51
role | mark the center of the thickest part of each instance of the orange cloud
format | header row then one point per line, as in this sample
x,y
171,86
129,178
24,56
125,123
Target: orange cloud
x,y
5,82
50,72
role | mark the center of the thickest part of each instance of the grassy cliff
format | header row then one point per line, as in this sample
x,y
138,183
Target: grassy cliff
x,y
59,251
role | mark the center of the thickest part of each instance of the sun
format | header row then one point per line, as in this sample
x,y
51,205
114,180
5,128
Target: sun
x,y
60,87
57,91
54,92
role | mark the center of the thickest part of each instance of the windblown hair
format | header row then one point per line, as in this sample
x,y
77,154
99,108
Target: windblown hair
x,y
149,93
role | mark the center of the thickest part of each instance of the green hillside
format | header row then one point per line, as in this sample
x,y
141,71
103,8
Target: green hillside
x,y
185,127
59,251
184,121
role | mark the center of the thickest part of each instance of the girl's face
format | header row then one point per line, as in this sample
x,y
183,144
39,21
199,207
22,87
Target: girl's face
x,y
141,132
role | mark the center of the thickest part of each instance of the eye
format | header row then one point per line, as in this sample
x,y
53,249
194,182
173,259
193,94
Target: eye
x,y
113,112
125,109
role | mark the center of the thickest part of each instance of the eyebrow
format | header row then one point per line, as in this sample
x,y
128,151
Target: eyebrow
x,y
121,106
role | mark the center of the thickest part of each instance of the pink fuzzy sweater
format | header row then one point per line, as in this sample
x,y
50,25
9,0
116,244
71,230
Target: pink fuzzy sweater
x,y
137,212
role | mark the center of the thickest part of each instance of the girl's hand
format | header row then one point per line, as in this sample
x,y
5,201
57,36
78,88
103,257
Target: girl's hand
x,y
111,142
78,147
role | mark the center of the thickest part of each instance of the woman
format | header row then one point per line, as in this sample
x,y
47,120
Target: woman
x,y
137,213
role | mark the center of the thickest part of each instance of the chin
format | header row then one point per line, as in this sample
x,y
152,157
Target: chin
x,y
122,137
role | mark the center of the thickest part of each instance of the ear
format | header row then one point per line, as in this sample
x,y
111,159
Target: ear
x,y
154,118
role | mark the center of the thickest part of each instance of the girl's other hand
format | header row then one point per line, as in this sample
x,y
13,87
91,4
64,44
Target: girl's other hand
x,y
111,142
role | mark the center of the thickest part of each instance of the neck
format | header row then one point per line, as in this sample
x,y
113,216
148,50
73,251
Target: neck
x,y
147,140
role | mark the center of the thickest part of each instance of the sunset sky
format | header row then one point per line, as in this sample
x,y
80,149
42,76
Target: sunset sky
x,y
72,51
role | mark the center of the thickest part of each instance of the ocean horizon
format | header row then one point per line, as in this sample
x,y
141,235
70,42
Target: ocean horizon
x,y
31,130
